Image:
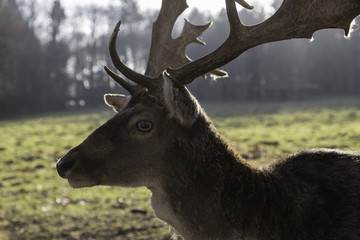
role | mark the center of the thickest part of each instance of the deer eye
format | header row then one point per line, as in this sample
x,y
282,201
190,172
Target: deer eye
x,y
144,126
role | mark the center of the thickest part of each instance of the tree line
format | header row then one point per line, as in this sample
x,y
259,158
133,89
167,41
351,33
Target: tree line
x,y
51,59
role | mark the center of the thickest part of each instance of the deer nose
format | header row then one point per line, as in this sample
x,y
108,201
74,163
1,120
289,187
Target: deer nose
x,y
64,165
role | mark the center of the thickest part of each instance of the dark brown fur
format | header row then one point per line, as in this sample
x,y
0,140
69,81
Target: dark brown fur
x,y
313,194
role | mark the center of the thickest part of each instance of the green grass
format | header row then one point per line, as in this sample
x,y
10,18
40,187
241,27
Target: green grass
x,y
263,132
35,203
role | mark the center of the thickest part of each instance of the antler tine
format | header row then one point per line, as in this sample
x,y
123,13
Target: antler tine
x,y
233,18
140,79
294,19
130,88
222,55
244,4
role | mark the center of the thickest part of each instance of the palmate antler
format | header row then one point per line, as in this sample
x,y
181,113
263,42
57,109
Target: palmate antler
x,y
294,19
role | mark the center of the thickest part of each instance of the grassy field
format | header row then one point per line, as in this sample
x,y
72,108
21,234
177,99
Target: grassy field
x,y
37,204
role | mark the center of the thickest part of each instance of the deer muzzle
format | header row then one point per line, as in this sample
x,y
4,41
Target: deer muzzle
x,y
64,166
71,168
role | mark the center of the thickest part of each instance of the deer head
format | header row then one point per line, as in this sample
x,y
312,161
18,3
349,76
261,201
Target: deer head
x,y
131,148
160,133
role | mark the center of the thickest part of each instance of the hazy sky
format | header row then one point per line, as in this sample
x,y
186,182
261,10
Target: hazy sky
x,y
211,5
205,5
214,6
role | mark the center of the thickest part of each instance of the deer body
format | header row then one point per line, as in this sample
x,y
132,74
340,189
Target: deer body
x,y
205,190
215,195
162,139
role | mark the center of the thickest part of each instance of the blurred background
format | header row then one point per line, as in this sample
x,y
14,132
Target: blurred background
x,y
52,55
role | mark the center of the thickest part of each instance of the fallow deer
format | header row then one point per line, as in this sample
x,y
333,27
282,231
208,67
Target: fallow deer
x,y
162,139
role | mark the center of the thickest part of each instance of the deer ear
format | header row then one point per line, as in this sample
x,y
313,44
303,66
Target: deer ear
x,y
116,101
179,101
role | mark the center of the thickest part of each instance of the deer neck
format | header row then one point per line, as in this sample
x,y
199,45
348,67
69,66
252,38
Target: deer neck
x,y
194,196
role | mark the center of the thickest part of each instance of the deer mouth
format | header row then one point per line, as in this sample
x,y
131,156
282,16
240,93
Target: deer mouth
x,y
81,183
